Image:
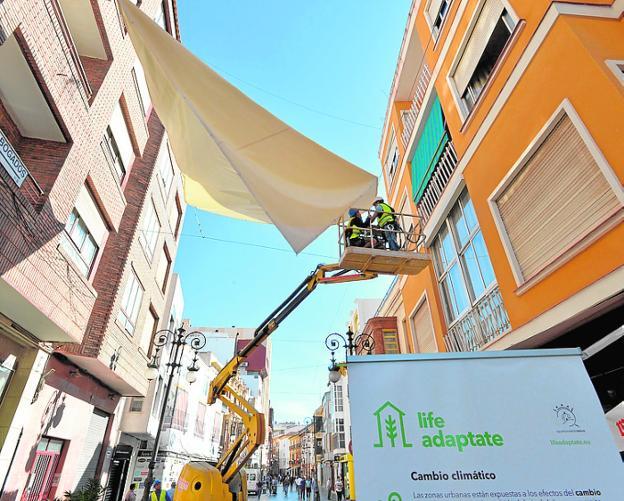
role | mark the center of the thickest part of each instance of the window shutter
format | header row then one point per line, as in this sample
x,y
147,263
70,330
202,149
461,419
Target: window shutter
x,y
488,17
122,136
423,330
88,210
92,448
558,197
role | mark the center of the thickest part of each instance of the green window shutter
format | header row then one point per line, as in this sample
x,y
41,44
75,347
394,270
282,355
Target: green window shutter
x,y
430,147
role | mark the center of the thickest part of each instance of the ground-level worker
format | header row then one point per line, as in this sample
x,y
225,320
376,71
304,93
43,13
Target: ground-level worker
x,y
158,494
386,220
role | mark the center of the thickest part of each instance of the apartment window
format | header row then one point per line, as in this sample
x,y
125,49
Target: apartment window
x,y
113,155
79,242
135,80
340,432
461,260
200,420
131,303
7,369
390,341
149,231
161,16
436,12
164,266
175,217
617,67
149,329
165,169
556,197
180,414
487,40
338,404
392,158
136,404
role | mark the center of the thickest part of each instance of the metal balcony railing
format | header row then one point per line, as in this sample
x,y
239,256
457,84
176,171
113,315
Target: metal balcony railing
x,y
70,53
486,321
441,175
407,233
409,117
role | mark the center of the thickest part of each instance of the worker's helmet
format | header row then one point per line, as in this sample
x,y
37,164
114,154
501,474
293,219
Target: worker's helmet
x,y
353,212
156,482
378,199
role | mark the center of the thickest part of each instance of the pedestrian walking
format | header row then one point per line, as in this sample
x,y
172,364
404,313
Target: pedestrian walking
x,y
171,490
315,489
339,487
131,495
329,488
308,487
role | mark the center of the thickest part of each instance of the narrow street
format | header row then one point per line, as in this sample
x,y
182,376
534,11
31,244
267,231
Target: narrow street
x,y
291,495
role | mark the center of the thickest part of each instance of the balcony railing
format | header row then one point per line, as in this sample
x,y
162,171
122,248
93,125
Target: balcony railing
x,y
486,321
410,116
76,69
439,179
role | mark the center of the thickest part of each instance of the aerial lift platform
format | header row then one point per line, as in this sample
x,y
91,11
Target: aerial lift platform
x,y
376,257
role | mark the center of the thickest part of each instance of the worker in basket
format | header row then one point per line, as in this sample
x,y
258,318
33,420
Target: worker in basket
x,y
357,232
386,221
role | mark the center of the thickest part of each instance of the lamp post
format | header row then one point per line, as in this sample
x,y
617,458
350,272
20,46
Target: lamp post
x,y
178,340
353,345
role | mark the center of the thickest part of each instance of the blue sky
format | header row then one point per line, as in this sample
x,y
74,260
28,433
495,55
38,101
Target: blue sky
x,y
324,67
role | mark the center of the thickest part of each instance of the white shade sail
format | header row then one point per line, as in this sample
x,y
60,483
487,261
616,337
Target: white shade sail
x,y
237,159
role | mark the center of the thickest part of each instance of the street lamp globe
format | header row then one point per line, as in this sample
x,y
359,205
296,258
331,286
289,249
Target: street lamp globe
x,y
191,376
152,372
334,374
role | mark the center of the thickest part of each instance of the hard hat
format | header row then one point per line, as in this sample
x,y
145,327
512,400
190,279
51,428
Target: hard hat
x,y
156,482
352,212
378,199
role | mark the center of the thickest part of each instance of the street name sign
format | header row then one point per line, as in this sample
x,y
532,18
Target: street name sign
x,y
11,161
510,425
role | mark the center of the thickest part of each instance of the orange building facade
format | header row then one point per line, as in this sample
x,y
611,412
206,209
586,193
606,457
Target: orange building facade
x,y
504,135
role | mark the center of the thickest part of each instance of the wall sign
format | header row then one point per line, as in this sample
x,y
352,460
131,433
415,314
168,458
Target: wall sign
x,y
491,425
11,162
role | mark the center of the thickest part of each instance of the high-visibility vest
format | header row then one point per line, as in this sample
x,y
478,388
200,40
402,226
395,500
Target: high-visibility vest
x,y
387,216
356,231
162,497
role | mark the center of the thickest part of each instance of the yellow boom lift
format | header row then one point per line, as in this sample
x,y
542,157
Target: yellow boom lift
x,y
202,481
224,482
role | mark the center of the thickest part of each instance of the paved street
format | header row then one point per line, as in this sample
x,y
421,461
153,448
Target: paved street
x,y
291,495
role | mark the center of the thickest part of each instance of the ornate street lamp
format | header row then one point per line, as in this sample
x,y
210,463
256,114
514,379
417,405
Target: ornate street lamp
x,y
178,340
362,344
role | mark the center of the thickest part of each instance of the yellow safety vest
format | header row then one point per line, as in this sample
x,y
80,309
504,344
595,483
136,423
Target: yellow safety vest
x,y
387,216
356,231
163,496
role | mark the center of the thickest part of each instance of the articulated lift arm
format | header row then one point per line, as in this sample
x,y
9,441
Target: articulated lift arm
x,y
252,435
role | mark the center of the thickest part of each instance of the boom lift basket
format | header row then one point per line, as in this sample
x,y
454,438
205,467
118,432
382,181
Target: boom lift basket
x,y
375,255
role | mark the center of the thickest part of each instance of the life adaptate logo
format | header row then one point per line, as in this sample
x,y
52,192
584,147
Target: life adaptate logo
x,y
565,416
390,424
394,496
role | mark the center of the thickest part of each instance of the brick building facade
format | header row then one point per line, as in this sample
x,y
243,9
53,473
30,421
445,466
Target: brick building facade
x,y
91,209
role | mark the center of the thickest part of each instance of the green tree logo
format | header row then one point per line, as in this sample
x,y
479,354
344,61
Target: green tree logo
x,y
394,496
390,430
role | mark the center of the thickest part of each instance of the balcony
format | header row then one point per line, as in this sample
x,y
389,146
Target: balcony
x,y
442,173
421,83
70,52
485,322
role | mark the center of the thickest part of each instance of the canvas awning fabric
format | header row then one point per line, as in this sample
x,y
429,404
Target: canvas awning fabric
x,y
237,159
